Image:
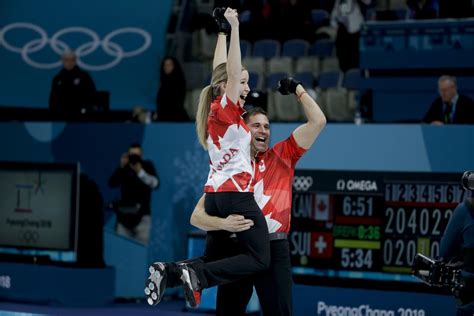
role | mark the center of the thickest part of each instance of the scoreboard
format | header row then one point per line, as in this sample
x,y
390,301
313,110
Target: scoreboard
x,y
369,224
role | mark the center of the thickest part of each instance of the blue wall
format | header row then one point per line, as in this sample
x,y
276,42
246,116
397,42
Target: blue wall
x,y
405,47
422,44
132,80
182,164
182,167
407,99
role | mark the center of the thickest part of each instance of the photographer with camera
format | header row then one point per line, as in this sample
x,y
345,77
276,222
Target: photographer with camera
x,y
136,178
457,244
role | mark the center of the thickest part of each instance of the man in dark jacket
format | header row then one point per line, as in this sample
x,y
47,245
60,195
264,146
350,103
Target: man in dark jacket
x,y
136,178
72,88
450,107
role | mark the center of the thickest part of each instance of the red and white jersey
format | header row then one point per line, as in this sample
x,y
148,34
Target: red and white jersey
x,y
273,183
228,143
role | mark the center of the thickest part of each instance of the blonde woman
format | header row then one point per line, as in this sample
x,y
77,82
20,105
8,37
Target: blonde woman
x,y
223,133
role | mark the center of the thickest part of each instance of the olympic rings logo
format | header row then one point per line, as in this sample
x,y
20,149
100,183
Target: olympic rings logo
x,y
301,183
28,236
59,46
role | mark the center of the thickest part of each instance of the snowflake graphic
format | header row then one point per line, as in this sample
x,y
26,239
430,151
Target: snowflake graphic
x,y
158,237
189,181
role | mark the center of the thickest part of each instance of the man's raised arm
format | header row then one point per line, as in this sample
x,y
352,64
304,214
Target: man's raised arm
x,y
305,134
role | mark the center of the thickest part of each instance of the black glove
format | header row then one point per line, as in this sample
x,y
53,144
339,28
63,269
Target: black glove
x,y
222,23
288,85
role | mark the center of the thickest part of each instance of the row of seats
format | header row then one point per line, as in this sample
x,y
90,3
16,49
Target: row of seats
x,y
198,74
261,70
335,93
294,48
325,80
338,104
319,17
427,36
201,42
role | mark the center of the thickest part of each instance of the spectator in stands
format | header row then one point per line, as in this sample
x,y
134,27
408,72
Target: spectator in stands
x,y
456,9
450,107
72,88
264,20
267,18
347,16
172,91
295,20
136,178
423,9
141,115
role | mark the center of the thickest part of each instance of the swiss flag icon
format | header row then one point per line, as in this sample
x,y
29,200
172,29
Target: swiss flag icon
x,y
321,245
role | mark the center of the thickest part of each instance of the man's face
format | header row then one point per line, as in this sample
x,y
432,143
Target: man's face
x,y
69,61
135,151
168,66
260,130
447,90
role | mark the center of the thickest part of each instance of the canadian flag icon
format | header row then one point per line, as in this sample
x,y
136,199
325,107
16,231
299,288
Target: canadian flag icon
x,y
322,208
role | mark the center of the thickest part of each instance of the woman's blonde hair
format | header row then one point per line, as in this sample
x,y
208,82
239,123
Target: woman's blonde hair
x,y
208,94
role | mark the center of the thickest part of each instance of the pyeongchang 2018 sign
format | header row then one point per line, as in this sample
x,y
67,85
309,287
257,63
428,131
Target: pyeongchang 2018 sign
x,y
345,301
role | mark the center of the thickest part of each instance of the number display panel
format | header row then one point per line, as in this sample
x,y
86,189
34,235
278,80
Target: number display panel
x,y
369,225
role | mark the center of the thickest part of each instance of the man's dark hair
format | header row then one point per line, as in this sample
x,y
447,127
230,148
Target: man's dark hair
x,y
135,145
254,110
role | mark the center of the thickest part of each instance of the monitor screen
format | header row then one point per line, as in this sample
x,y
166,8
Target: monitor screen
x,y
369,225
38,207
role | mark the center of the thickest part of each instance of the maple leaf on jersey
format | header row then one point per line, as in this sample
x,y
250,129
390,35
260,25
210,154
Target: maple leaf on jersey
x,y
236,141
260,196
262,200
272,224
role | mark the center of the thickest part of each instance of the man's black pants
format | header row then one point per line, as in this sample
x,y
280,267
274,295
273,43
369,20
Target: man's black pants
x,y
273,286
